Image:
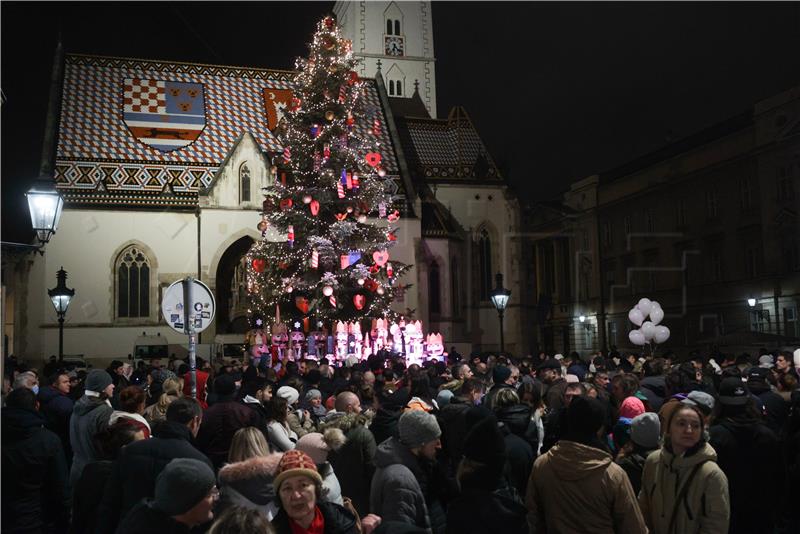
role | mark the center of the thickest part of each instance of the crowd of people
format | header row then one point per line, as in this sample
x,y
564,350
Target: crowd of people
x,y
602,443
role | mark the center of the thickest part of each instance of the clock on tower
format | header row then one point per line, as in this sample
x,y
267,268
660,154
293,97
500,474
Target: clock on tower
x,y
393,45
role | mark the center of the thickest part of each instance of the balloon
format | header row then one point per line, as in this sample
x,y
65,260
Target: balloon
x,y
649,330
662,334
636,337
636,316
656,315
644,306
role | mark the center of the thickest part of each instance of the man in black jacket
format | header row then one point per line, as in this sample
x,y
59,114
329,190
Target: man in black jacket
x,y
34,471
138,464
56,407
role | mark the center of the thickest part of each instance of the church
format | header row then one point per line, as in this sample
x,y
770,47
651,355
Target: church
x,y
146,204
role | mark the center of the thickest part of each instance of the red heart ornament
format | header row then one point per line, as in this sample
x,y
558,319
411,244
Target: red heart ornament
x,y
314,207
359,300
341,216
392,237
380,257
259,264
373,159
393,216
301,303
286,203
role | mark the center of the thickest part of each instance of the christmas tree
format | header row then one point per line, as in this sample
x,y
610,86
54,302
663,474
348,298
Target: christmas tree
x,y
330,205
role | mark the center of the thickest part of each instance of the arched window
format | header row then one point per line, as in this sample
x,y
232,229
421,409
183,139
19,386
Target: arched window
x,y
133,283
398,88
397,27
244,183
455,288
388,26
391,87
434,289
485,263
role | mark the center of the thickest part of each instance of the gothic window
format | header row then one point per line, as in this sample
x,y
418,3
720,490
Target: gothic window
x,y
434,289
389,26
397,27
244,183
133,283
485,264
391,87
392,27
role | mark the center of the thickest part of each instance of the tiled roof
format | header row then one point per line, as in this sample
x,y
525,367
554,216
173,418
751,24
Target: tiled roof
x,y
446,149
96,145
409,107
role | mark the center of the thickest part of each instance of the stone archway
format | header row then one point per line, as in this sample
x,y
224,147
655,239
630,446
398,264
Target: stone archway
x,y
231,318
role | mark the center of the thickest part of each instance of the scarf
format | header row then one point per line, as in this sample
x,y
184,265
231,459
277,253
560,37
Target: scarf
x,y
317,525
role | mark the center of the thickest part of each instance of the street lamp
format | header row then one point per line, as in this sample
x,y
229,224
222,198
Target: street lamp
x,y
61,296
751,302
500,296
582,318
45,205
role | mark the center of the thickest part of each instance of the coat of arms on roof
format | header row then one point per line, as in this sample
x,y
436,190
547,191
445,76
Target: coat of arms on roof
x,y
276,101
162,114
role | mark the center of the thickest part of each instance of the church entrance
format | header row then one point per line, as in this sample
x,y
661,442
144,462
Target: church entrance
x,y
231,291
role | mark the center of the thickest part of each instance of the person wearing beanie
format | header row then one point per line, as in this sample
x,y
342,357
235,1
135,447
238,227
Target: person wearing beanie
x,y
644,434
303,507
318,446
89,418
483,504
549,372
134,473
776,410
313,404
184,498
222,420
503,377
577,474
298,419
403,469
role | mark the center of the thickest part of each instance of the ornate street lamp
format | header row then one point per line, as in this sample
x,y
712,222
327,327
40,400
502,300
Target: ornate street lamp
x,y
500,296
45,205
61,296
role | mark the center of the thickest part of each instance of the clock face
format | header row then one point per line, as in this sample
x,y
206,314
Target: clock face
x,y
393,45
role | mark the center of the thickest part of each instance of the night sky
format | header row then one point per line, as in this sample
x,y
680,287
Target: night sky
x,y
558,91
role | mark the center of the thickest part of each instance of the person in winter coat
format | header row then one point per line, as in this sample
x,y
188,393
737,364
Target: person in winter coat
x,y
184,498
134,475
302,508
247,481
483,504
503,377
401,479
298,420
576,484
683,489
238,520
222,420
170,390
739,435
281,438
318,446
56,407
775,407
453,422
514,419
35,496
90,417
645,432
354,462
130,403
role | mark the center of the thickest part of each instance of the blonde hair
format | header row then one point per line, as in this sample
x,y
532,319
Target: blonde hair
x,y
248,442
169,388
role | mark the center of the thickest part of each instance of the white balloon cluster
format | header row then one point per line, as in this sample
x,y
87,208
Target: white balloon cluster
x,y
649,331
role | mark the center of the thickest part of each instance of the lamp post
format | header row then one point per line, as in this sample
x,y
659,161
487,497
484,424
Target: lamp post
x,y
45,205
500,296
61,296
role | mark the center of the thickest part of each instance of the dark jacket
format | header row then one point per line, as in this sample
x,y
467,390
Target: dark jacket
x,y
87,495
777,409
453,422
354,462
481,512
514,422
397,494
34,474
655,389
491,395
145,519
56,408
136,469
384,424
749,454
518,420
633,464
220,423
89,418
337,520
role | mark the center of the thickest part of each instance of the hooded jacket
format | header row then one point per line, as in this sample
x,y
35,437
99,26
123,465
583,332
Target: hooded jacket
x,y
220,423
396,494
577,488
57,410
704,508
249,483
89,418
655,389
34,485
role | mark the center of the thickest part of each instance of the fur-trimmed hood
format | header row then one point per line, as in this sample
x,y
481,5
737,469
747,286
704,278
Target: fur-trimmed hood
x,y
345,421
249,483
257,467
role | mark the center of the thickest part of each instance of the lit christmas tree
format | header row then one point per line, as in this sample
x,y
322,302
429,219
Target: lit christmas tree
x,y
330,204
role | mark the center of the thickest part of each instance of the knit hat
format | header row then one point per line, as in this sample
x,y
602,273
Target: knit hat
x,y
766,361
702,400
182,484
549,364
645,430
443,398
585,416
733,392
224,385
160,375
417,427
484,443
631,407
296,462
289,393
572,379
318,446
757,373
313,394
500,374
98,380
